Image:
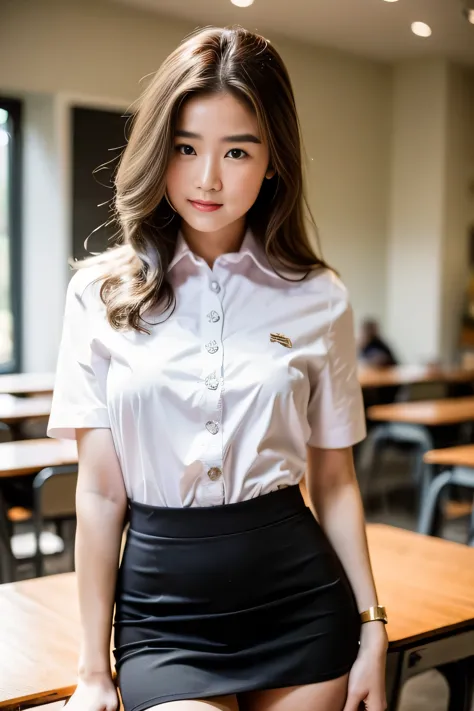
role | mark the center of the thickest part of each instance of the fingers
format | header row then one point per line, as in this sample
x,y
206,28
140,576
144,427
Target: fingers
x,y
373,704
353,702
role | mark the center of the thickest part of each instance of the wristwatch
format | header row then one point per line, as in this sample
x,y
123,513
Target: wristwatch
x,y
374,614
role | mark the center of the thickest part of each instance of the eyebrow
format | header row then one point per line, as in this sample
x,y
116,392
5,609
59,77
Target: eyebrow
x,y
238,138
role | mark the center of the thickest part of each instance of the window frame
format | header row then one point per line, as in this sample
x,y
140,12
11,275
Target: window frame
x,y
14,108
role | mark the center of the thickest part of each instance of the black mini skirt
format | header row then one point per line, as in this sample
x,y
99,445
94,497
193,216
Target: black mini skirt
x,y
228,599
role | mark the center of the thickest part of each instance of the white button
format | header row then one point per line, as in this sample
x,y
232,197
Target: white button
x,y
212,347
213,317
212,382
214,473
212,426
215,287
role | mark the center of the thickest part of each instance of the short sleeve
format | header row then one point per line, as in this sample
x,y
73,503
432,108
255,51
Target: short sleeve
x,y
336,411
79,398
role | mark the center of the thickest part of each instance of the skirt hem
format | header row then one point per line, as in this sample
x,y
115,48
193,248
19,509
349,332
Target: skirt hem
x,y
185,696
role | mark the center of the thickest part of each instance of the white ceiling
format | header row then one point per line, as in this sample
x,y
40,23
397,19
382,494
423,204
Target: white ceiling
x,y
370,28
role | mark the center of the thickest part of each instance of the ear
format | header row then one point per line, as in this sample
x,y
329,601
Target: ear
x,y
270,173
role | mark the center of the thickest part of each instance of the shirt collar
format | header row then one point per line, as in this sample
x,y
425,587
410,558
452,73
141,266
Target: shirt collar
x,y
250,247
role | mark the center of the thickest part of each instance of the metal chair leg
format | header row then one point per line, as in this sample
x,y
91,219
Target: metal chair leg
x,y
7,562
459,476
427,524
460,678
470,537
394,682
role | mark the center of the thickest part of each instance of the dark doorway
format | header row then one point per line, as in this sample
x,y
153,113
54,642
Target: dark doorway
x,y
99,138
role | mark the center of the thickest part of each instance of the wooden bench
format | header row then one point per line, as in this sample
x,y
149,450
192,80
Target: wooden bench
x,y
426,584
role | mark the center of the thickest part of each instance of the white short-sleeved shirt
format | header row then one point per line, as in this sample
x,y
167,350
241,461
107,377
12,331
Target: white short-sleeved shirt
x,y
210,408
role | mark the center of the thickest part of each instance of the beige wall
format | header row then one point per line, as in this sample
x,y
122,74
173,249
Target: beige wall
x,y
102,51
416,208
458,204
430,208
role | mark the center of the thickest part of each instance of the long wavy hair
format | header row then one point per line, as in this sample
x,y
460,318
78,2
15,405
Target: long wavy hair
x,y
212,60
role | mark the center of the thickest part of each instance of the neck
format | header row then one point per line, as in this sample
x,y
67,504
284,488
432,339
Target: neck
x,y
210,245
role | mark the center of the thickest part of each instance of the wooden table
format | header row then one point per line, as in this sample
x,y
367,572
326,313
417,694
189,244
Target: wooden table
x,y
370,377
429,413
32,455
27,383
462,456
426,584
15,410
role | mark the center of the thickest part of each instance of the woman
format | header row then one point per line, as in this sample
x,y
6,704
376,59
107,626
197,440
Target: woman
x,y
207,362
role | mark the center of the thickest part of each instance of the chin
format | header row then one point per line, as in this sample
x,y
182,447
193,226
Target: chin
x,y
210,222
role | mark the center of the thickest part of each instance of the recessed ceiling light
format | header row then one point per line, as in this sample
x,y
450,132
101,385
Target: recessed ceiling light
x,y
421,29
469,14
391,0
242,3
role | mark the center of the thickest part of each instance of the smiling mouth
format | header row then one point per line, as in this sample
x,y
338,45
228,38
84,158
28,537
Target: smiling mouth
x,y
205,206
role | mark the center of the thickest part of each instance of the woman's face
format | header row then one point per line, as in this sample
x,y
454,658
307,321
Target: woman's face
x,y
218,164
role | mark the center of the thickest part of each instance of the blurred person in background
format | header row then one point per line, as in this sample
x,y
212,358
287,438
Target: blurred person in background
x,y
373,350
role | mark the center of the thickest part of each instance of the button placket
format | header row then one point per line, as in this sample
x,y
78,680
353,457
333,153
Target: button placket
x,y
212,385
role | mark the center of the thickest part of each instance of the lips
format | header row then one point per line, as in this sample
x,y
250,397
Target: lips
x,y
205,205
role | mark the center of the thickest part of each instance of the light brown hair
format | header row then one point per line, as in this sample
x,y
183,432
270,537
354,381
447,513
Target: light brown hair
x,y
212,60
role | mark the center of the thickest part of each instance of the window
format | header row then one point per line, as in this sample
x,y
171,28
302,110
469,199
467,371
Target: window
x,y
10,275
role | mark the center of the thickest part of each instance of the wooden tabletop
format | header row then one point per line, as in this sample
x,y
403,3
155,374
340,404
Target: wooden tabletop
x,y
14,409
462,456
27,383
32,455
426,584
426,412
370,377
39,640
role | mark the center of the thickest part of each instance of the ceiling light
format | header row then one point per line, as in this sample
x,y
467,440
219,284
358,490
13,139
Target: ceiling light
x,y
421,29
391,0
242,3
469,14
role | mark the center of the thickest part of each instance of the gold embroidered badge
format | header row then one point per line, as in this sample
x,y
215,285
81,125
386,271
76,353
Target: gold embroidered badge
x,y
280,338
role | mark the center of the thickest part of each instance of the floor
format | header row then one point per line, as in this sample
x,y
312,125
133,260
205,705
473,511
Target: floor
x,y
427,692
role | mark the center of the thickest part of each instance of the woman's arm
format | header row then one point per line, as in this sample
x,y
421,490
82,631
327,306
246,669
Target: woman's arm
x,y
101,504
334,497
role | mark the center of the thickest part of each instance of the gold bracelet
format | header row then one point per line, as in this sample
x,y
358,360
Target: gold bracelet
x,y
374,614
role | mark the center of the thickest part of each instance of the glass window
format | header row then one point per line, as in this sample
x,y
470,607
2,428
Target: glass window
x,y
10,278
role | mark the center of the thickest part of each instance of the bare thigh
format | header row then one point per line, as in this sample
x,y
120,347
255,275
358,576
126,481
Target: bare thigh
x,y
325,696
217,703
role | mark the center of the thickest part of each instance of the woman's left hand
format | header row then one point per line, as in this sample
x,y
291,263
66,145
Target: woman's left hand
x,y
366,689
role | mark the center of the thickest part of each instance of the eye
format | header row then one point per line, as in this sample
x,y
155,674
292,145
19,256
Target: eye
x,y
185,149
237,154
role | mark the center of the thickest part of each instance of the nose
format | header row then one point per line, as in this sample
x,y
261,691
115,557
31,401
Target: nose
x,y
208,177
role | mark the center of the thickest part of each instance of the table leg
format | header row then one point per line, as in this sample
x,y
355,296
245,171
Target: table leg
x,y
7,574
460,678
393,681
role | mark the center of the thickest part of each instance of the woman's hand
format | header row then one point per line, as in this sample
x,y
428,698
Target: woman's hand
x,y
367,677
97,693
